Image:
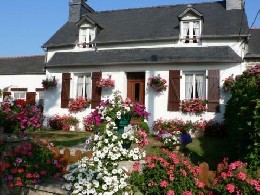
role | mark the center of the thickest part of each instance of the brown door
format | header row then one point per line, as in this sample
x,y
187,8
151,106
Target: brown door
x,y
30,98
136,86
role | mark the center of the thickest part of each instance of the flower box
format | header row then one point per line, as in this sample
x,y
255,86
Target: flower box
x,y
78,104
106,83
49,83
157,83
193,106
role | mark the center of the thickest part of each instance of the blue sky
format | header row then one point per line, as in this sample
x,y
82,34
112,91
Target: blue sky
x,y
26,25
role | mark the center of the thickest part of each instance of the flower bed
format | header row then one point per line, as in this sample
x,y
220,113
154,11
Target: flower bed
x,y
64,122
193,106
78,104
17,116
157,83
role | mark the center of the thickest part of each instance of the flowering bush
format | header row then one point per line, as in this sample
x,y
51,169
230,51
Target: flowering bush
x,y
101,173
107,83
167,174
78,104
157,83
232,179
193,106
113,110
28,163
49,83
228,83
1,146
64,122
17,116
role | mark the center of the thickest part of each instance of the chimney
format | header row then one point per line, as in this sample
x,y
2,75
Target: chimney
x,y
77,8
234,4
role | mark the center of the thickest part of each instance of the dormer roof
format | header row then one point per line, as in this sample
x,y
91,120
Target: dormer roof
x,y
190,9
87,19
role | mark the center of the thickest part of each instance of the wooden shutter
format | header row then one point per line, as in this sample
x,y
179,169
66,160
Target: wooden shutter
x,y
6,94
213,90
96,91
174,90
65,90
30,98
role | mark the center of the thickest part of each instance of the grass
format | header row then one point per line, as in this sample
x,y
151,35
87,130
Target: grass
x,y
206,149
62,138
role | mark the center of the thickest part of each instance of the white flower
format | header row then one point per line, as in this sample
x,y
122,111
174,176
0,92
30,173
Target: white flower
x,y
114,171
124,135
106,141
104,187
108,119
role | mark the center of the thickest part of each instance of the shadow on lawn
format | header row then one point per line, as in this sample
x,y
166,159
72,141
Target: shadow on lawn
x,y
211,150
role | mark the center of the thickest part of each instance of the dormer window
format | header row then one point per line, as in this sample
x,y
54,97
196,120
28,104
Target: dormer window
x,y
86,36
190,25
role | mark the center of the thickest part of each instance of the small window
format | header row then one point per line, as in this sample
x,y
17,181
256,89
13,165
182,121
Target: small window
x,y
83,86
86,36
20,95
190,31
195,85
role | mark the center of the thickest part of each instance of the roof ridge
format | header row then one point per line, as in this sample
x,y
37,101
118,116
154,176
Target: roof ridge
x,y
16,57
153,7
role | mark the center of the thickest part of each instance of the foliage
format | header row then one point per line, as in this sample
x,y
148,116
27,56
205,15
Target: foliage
x,y
233,179
106,83
194,106
64,122
242,116
49,83
28,163
215,129
17,116
114,109
144,126
157,83
78,104
228,83
167,174
2,144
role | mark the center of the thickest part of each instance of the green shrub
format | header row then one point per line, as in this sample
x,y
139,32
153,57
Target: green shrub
x,y
242,116
144,126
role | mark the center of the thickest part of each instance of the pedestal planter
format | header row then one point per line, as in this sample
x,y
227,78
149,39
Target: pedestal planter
x,y
122,123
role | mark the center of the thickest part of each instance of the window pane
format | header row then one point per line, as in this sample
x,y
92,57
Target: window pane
x,y
188,86
88,87
200,86
80,86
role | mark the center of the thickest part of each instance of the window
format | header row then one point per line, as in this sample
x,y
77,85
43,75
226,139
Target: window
x,y
195,85
86,36
19,95
190,32
83,85
40,98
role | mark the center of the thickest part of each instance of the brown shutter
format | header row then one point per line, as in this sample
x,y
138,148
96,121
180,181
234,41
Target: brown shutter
x,y
30,98
65,90
213,90
96,91
6,94
174,90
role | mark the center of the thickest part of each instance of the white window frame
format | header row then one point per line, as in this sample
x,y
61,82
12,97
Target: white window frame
x,y
40,97
194,73
19,93
190,38
87,34
87,81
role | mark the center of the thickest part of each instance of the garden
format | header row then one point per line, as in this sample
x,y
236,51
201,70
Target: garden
x,y
164,162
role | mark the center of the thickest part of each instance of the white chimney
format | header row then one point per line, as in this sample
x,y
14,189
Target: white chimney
x,y
234,4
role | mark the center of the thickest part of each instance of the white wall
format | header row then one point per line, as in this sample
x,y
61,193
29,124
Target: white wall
x,y
155,103
22,81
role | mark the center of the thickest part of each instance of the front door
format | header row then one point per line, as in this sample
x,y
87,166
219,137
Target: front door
x,y
136,86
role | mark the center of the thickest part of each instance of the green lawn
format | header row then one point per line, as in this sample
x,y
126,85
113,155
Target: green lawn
x,y
207,149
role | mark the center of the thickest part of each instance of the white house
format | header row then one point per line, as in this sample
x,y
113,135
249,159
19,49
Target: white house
x,y
194,47
21,78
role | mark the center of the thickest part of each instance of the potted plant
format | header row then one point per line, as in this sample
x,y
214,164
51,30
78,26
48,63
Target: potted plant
x,y
49,83
157,83
106,83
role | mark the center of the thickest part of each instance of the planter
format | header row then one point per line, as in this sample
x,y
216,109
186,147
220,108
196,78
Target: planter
x,y
122,123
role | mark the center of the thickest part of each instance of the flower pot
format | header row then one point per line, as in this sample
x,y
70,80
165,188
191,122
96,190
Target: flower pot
x,y
121,123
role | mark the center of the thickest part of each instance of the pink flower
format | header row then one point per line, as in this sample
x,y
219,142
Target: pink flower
x,y
230,188
241,176
164,184
170,192
187,193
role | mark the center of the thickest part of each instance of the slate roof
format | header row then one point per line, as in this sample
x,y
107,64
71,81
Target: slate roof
x,y
22,65
154,23
254,44
145,55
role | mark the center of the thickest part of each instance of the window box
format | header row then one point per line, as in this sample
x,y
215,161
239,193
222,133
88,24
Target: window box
x,y
193,106
106,83
49,83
